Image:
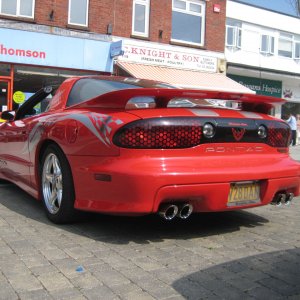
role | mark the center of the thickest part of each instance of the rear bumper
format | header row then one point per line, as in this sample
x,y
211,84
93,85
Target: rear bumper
x,y
214,196
140,185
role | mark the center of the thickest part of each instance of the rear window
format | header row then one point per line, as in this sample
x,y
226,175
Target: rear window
x,y
87,88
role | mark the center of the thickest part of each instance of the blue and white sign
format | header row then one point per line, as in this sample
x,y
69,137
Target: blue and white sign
x,y
33,48
116,49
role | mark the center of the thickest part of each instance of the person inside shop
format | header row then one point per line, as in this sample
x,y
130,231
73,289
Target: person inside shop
x,y
291,120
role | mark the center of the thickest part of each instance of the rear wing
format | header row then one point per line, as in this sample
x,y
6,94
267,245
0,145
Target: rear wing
x,y
162,96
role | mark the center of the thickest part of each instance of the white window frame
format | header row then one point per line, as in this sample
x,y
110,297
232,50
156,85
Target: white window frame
x,y
237,37
270,42
188,12
145,3
18,14
296,39
288,39
294,54
86,15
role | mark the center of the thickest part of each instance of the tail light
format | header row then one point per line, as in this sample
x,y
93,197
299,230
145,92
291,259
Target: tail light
x,y
179,133
279,137
160,133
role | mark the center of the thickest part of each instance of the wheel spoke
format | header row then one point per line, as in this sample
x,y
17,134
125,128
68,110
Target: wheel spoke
x,y
53,198
59,182
49,178
52,183
56,167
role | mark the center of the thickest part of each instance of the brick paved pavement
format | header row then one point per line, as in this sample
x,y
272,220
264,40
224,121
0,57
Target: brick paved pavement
x,y
253,254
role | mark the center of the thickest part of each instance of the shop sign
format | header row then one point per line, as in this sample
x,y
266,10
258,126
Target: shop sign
x,y
19,97
291,93
18,46
261,86
116,49
162,56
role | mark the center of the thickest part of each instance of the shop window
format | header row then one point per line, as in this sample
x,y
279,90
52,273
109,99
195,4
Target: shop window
x,y
233,36
140,17
78,12
188,19
17,8
285,45
267,44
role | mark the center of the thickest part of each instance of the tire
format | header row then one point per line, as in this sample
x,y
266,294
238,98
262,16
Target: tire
x,y
57,188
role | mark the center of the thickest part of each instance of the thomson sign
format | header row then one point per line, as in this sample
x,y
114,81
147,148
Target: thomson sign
x,y
53,50
22,52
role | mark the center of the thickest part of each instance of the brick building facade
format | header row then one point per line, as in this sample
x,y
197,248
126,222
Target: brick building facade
x,y
190,32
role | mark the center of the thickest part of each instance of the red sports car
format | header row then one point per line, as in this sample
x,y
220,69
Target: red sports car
x,y
129,146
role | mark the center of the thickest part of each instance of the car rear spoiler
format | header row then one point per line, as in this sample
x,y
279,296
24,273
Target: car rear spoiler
x,y
118,99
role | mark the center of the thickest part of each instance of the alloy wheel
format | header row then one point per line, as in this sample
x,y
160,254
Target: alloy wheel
x,y
52,185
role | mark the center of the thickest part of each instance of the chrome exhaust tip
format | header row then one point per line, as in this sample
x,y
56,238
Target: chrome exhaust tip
x,y
279,199
168,211
289,198
185,211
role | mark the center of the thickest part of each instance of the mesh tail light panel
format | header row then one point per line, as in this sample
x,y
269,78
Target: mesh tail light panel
x,y
164,133
180,132
278,135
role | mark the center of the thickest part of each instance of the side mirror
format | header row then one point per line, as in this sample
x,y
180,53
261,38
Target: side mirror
x,y
8,115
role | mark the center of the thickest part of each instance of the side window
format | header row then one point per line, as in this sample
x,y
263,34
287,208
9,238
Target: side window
x,y
39,108
188,21
17,8
140,17
78,12
35,104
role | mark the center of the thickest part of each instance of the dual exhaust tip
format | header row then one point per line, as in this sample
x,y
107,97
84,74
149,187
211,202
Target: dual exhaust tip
x,y
170,211
282,199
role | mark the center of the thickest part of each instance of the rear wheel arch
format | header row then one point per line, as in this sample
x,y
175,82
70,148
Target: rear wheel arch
x,y
43,147
56,184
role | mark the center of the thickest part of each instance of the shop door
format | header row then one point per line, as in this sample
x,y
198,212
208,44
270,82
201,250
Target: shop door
x,y
4,92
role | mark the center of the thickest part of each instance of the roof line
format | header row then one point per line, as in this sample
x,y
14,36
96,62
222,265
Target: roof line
x,y
272,71
268,9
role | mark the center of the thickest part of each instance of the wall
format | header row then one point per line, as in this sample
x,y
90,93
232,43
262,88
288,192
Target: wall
x,y
256,21
119,14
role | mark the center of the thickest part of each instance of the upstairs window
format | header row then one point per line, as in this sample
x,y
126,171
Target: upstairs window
x,y
233,36
17,8
267,44
78,12
140,17
188,19
297,48
285,45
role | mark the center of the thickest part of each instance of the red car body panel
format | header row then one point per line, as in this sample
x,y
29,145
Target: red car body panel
x,y
118,180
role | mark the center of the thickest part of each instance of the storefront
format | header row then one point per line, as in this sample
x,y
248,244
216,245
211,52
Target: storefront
x,y
281,85
261,86
31,60
291,92
262,82
277,84
179,66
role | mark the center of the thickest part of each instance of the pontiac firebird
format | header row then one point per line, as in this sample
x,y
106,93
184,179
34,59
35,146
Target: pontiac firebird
x,y
133,147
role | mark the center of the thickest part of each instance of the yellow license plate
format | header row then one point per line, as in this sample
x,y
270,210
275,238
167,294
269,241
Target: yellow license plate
x,y
243,193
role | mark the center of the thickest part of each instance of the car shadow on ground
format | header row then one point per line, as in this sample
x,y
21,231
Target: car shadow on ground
x,y
274,275
142,230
